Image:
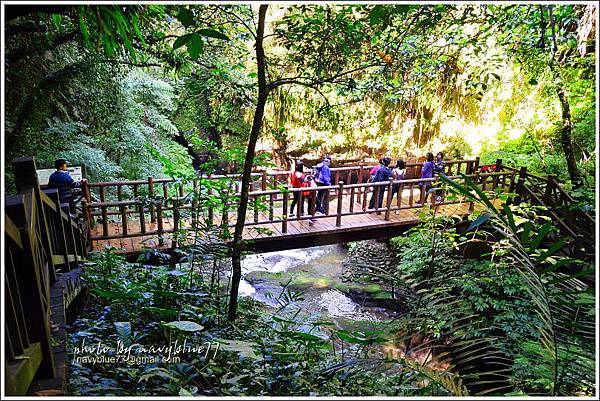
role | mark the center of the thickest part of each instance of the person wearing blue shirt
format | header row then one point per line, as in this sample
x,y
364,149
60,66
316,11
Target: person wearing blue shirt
x,y
322,179
427,172
383,174
63,182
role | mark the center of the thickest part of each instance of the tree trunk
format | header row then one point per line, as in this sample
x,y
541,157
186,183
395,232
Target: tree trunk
x,y
567,125
236,256
565,132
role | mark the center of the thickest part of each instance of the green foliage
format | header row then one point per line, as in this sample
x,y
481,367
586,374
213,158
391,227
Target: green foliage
x,y
556,297
281,353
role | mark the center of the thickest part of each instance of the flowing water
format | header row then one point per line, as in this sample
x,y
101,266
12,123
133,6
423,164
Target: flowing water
x,y
315,272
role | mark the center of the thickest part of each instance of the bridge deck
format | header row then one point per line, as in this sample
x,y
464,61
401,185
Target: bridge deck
x,y
299,232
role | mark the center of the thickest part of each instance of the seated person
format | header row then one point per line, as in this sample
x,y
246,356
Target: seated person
x,y
62,181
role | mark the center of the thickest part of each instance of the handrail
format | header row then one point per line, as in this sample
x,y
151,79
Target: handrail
x,y
259,174
40,238
527,174
46,199
556,218
13,232
570,199
96,205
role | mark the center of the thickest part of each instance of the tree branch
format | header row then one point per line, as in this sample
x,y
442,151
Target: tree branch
x,y
239,19
295,80
124,62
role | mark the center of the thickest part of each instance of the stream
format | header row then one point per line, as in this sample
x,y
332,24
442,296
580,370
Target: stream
x,y
317,275
314,273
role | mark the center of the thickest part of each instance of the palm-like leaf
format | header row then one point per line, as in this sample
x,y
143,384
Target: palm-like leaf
x,y
563,303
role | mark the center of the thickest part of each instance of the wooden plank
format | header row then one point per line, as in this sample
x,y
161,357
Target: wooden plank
x,y
19,375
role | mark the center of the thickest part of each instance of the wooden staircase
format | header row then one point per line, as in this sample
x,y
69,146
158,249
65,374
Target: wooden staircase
x,y
576,225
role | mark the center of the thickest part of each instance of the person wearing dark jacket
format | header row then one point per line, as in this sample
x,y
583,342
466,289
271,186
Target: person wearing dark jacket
x,y
322,179
427,172
63,182
383,174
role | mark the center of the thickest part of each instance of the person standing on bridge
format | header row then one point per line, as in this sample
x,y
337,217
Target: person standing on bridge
x,y
374,170
398,173
296,180
63,182
427,172
322,179
383,175
438,165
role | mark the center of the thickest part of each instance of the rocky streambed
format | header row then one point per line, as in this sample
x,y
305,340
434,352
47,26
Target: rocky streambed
x,y
335,282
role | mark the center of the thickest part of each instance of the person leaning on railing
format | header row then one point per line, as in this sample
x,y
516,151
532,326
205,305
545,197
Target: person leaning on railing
x,y
63,182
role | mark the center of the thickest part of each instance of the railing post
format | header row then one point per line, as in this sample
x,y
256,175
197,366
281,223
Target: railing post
x,y
88,215
151,196
389,198
159,217
501,178
123,209
360,173
521,181
476,165
256,209
475,179
550,182
88,198
300,205
263,180
103,211
285,210
142,218
340,193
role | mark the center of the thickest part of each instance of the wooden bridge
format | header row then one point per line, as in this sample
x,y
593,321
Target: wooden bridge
x,y
131,215
45,245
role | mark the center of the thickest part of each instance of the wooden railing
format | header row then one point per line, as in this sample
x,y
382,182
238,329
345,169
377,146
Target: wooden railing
x,y
146,215
42,242
263,180
563,209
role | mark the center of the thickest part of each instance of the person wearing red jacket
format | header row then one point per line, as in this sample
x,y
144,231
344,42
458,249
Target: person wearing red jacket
x,y
296,181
